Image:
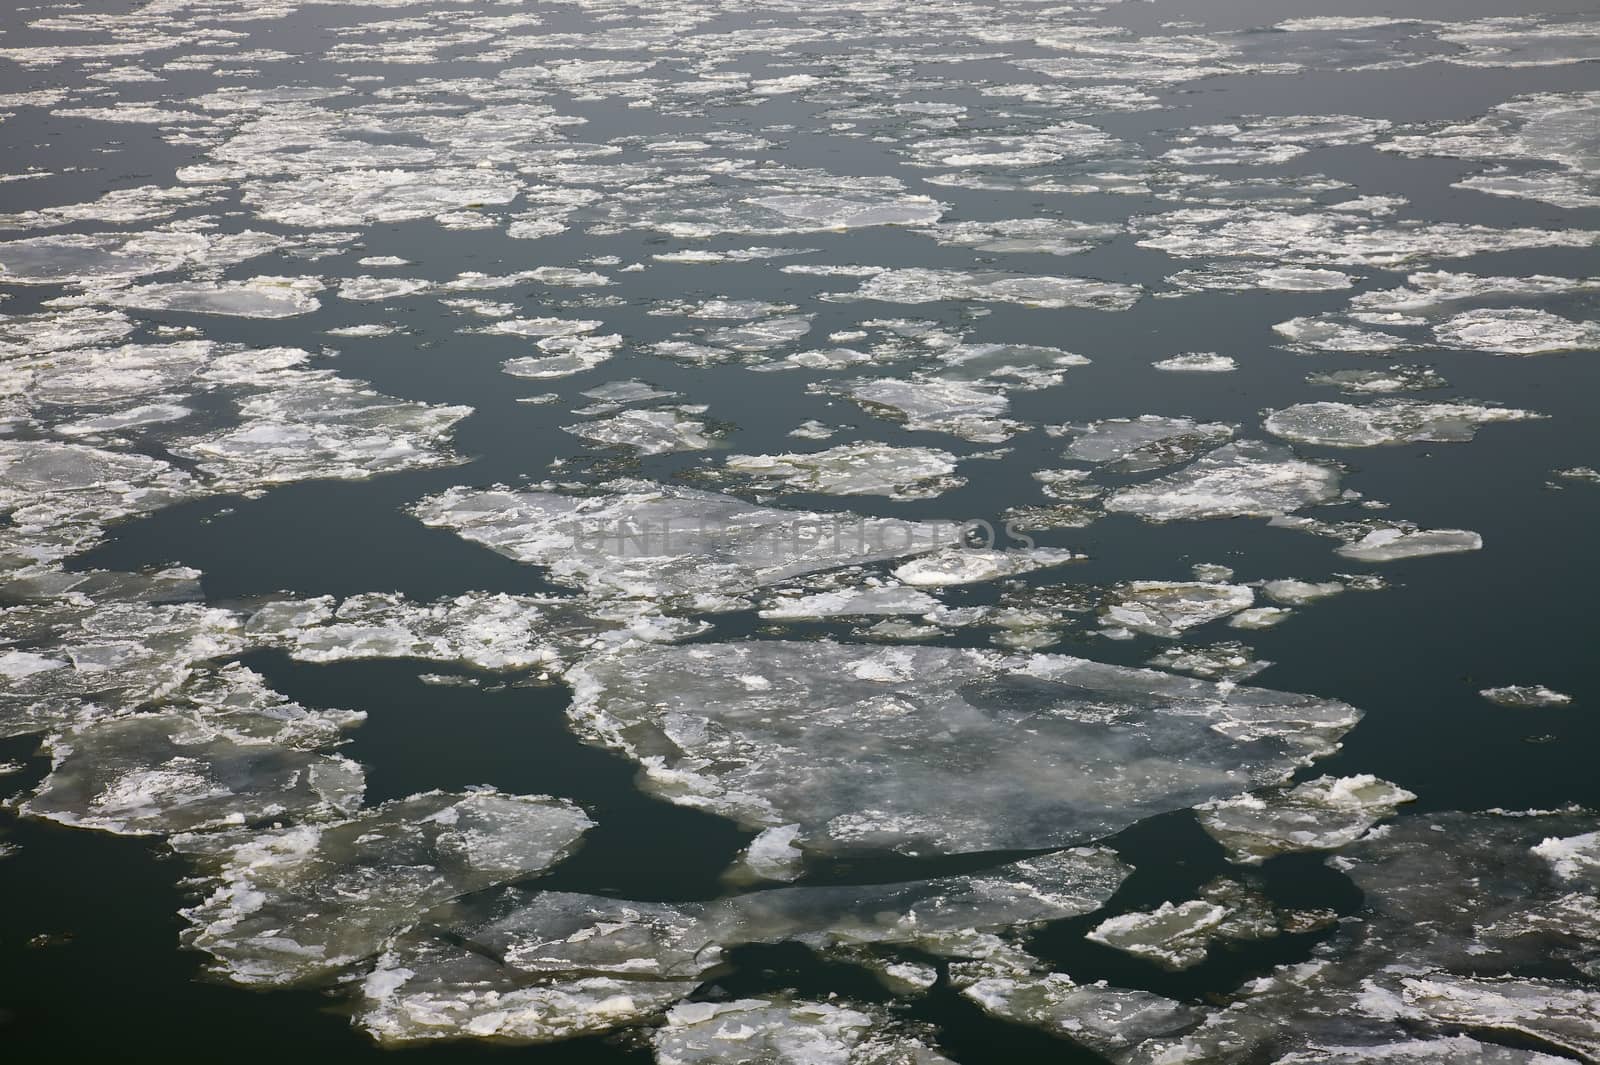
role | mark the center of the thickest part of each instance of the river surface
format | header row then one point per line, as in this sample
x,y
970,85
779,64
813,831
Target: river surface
x,y
610,532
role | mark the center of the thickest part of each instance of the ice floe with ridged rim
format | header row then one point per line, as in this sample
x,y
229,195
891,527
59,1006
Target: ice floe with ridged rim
x,y
1197,362
649,432
932,404
1167,608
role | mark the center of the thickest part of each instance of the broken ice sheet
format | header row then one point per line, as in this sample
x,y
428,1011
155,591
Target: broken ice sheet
x,y
780,1031
1516,331
853,469
288,906
1525,696
851,602
258,297
1197,362
1456,907
1394,544
648,432
1167,608
640,540
1107,745
934,405
1228,660
926,285
1247,478
533,966
1108,1020
1035,236
969,565
1321,814
478,629
1148,442
170,771
1395,378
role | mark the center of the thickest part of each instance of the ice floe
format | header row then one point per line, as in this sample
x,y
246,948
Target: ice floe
x,y
705,736
1247,478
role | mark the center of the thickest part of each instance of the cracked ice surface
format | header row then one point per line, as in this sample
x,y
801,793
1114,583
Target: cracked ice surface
x,y
1108,745
645,541
294,905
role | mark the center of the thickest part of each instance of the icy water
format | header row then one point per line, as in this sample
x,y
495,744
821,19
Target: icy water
x,y
862,533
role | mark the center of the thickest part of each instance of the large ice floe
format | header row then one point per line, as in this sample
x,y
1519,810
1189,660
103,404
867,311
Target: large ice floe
x,y
717,727
646,541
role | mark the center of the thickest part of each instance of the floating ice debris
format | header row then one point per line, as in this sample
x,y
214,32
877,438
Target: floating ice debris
x,y
58,497
1446,895
706,736
1197,362
1228,660
1261,617
1337,236
1165,609
1390,545
811,429
315,424
1397,378
535,967
938,406
259,297
854,470
969,565
372,289
1266,155
1385,422
78,259
359,197
1558,127
1107,1020
1324,333
778,1031
1525,696
566,355
1554,1013
647,541
1243,479
1430,292
1148,442
169,771
1517,331
616,393
1579,473
478,629
834,212
1037,236
1224,277
1298,593
1173,936
37,334
924,285
1321,814
297,905
649,432
542,965
1024,366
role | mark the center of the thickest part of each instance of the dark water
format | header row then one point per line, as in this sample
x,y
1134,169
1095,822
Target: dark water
x,y
89,964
